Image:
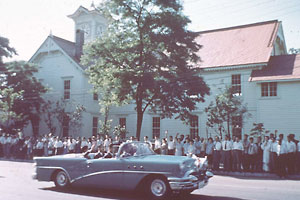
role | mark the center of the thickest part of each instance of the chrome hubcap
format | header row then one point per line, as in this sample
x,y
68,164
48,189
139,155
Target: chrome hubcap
x,y
61,178
158,187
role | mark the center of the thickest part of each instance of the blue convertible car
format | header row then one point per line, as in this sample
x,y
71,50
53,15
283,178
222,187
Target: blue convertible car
x,y
135,166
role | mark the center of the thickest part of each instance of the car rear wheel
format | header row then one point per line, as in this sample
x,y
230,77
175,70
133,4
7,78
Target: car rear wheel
x,y
61,179
158,188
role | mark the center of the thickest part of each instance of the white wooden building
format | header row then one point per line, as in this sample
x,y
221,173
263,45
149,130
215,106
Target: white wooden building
x,y
251,57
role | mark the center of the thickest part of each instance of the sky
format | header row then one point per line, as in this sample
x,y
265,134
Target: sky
x,y
27,23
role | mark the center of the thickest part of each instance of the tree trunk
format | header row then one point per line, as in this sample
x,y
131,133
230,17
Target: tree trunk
x,y
35,120
228,125
140,116
106,115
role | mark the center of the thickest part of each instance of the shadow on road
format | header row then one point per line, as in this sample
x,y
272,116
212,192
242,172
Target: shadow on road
x,y
16,160
205,197
95,192
123,195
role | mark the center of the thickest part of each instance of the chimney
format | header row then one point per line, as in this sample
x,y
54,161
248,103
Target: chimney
x,y
79,43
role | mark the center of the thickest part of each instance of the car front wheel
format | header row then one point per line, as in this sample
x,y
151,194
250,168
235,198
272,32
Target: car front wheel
x,y
61,180
158,188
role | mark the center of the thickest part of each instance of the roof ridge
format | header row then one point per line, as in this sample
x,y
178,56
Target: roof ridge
x,y
239,26
56,37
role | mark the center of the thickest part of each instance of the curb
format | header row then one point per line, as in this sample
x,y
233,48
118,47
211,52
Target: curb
x,y
255,174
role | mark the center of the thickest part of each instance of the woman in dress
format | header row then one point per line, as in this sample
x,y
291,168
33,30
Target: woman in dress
x,y
266,146
178,147
164,147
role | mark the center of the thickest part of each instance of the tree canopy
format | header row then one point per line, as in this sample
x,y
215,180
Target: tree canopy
x,y
17,80
222,110
147,56
5,49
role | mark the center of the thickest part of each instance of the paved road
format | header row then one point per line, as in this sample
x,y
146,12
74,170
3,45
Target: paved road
x,y
16,184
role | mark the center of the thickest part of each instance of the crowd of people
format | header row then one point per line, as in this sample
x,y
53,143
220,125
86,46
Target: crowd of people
x,y
270,154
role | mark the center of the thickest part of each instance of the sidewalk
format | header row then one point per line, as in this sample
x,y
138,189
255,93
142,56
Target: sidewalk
x,y
256,175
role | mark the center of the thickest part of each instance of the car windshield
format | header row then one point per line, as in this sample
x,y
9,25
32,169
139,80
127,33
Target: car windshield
x,y
135,149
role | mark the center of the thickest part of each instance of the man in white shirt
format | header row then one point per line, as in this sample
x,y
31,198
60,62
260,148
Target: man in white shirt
x,y
39,147
252,153
273,154
226,146
71,145
217,153
171,145
58,146
291,154
238,149
245,156
281,158
106,143
146,139
157,145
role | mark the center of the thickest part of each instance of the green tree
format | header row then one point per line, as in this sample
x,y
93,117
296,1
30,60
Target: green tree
x,y
258,130
7,99
224,107
49,115
66,112
19,78
5,50
7,95
147,57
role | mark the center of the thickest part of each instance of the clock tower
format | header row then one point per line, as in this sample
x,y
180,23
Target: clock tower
x,y
91,22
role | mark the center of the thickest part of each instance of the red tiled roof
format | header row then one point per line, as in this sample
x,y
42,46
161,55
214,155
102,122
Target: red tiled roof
x,y
241,45
285,67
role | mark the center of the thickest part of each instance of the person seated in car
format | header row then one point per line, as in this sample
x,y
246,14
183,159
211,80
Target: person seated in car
x,y
99,154
109,153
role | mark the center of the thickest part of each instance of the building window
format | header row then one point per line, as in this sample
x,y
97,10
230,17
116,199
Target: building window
x,y
95,125
156,127
236,84
237,123
65,125
269,89
194,126
122,122
273,89
95,96
67,88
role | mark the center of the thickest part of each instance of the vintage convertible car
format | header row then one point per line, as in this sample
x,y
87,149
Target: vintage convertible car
x,y
135,166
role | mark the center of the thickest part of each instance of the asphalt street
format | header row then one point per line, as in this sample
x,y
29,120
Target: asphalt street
x,y
16,184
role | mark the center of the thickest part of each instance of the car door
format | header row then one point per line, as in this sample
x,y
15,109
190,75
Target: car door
x,y
104,173
133,172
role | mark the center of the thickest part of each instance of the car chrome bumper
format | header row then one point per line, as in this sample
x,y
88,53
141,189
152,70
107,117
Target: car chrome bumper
x,y
189,183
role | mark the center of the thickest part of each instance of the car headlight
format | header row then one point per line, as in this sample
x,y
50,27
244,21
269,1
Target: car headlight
x,y
181,166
